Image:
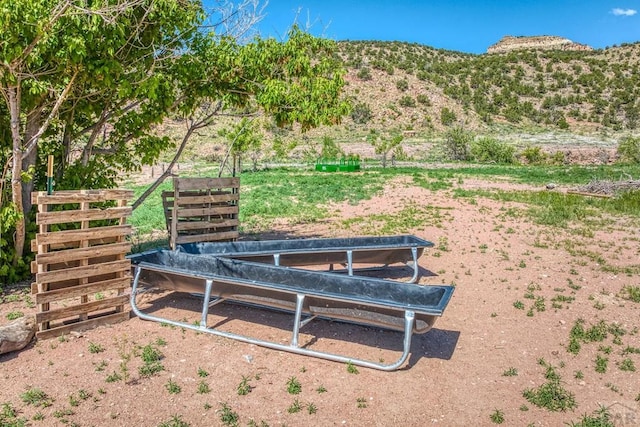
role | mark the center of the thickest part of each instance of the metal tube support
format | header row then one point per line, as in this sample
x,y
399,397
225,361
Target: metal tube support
x,y
205,303
350,262
409,318
414,255
296,321
276,259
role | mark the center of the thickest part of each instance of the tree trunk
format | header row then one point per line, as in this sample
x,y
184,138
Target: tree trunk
x,y
16,171
34,121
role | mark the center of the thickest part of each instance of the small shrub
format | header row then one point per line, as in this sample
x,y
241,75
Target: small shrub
x,y
407,101
352,369
533,155
490,150
629,149
364,74
402,85
447,117
361,113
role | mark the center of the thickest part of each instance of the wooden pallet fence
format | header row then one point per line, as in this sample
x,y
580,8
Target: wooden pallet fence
x,y
202,210
81,268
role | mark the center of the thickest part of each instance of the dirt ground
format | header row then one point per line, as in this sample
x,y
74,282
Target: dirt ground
x,y
477,361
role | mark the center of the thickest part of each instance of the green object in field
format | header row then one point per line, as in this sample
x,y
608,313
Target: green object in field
x,y
349,164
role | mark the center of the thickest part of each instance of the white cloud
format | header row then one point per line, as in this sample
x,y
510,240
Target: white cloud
x,y
623,12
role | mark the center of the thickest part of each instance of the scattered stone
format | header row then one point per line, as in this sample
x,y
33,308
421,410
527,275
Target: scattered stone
x,y
17,334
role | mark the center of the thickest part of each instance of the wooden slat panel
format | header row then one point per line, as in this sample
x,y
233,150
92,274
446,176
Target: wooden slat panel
x,y
208,198
228,235
62,313
84,271
84,325
89,288
76,196
182,184
77,235
84,253
214,210
60,217
204,225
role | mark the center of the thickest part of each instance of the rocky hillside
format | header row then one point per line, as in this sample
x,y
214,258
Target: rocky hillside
x,y
509,43
417,88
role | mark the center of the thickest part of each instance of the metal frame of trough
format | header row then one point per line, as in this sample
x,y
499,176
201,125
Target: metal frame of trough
x,y
202,210
84,266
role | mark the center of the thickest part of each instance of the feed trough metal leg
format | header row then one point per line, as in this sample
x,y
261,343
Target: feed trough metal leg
x,y
276,259
350,262
296,321
414,264
205,303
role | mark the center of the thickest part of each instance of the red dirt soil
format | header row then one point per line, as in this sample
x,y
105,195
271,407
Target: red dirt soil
x,y
490,250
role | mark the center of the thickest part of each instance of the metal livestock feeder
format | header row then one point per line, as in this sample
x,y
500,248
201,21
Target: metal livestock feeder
x,y
305,294
384,251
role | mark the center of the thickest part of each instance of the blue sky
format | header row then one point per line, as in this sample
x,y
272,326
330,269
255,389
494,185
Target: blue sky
x,y
463,25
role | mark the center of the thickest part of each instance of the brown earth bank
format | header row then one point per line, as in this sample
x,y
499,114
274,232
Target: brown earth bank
x,y
478,360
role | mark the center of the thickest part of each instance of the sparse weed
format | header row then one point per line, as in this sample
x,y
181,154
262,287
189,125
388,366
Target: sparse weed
x,y
175,421
511,372
95,348
203,387
601,364
37,398
228,416
352,369
294,386
172,387
244,387
295,407
497,416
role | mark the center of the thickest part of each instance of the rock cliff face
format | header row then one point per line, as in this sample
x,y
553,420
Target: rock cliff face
x,y
509,43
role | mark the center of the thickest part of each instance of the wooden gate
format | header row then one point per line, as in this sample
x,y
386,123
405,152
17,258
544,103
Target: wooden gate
x,y
81,269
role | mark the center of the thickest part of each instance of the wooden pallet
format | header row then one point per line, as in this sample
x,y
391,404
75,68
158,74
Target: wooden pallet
x,y
202,210
81,269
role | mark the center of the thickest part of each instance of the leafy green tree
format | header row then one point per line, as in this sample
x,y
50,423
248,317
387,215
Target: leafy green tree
x,y
384,144
456,144
98,80
243,139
